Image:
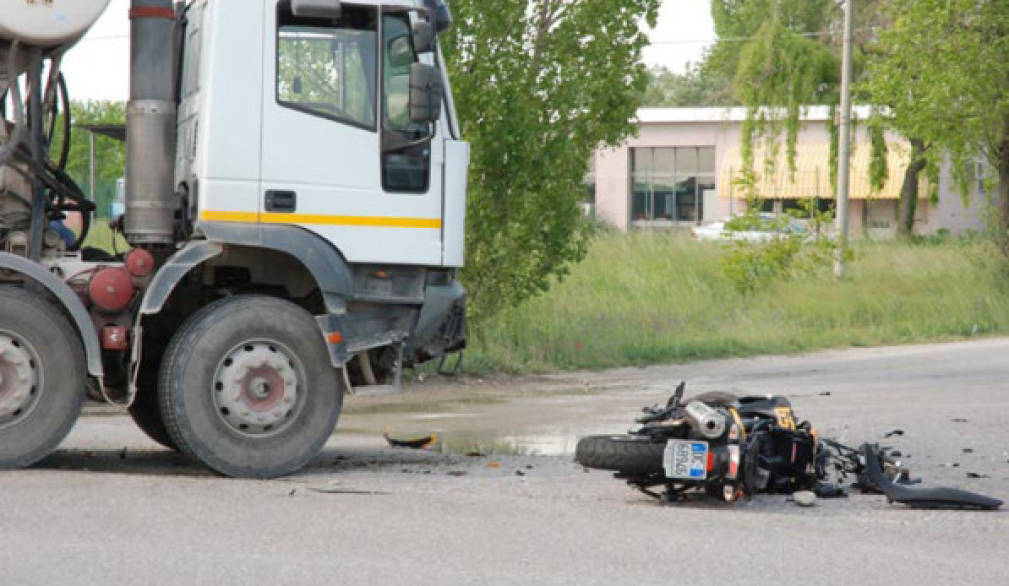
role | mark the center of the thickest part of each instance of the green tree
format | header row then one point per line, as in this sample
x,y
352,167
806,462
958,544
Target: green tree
x,y
780,63
539,85
110,154
698,86
944,73
784,55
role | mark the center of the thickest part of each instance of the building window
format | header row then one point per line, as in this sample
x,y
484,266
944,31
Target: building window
x,y
670,184
590,182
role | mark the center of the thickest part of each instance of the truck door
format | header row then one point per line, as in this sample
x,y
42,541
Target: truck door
x,y
340,155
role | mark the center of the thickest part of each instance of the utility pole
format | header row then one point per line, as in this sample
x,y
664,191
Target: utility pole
x,y
92,168
844,152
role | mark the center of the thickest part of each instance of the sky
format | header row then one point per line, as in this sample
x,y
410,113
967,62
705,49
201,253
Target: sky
x,y
98,67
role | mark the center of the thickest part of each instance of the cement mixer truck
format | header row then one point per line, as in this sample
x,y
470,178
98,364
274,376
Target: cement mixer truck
x,y
295,209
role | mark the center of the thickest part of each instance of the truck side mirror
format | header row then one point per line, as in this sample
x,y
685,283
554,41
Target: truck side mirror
x,y
426,93
316,8
423,37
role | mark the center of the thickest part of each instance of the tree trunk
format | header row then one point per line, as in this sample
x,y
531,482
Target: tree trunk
x,y
908,205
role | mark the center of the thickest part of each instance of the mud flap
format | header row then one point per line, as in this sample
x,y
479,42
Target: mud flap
x,y
333,335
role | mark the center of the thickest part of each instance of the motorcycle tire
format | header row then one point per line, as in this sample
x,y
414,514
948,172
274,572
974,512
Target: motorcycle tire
x,y
628,454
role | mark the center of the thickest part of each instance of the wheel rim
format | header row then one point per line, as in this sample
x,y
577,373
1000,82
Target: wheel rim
x,y
20,379
259,388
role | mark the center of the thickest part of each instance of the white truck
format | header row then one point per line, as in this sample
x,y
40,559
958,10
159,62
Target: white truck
x,y
295,206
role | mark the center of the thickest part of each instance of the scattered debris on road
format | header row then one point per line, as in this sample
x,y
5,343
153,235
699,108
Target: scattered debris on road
x,y
335,488
421,443
730,447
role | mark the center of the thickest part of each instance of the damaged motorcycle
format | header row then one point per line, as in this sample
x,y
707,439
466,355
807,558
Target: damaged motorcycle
x,y
729,447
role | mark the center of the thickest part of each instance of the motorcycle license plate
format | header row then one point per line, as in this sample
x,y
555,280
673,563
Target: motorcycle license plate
x,y
686,460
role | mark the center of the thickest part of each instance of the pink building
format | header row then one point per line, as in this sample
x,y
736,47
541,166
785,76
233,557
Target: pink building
x,y
683,168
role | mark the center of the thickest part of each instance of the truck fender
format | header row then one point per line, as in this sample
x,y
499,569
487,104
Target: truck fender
x,y
169,275
323,261
68,299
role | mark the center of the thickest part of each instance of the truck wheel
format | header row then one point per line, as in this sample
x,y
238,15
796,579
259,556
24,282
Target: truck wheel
x,y
146,413
42,377
248,388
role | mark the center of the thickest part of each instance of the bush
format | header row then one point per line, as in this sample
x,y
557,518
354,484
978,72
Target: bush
x,y
648,298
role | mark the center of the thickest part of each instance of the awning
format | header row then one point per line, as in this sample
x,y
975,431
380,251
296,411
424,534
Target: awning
x,y
812,173
113,131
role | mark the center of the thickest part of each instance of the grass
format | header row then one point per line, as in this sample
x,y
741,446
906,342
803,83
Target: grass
x,y
648,298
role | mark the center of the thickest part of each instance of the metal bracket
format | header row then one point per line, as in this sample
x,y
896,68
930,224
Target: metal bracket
x,y
455,370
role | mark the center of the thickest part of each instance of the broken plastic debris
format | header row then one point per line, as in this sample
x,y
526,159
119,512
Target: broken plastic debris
x,y
494,465
334,488
421,443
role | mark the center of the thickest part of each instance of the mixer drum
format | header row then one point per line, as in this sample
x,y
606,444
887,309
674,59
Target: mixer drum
x,y
47,23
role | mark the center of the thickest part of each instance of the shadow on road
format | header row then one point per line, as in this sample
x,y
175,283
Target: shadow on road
x,y
167,463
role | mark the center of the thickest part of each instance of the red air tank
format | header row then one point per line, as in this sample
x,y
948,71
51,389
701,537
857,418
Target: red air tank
x,y
111,290
139,262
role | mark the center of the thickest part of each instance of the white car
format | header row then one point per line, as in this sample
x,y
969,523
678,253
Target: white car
x,y
771,229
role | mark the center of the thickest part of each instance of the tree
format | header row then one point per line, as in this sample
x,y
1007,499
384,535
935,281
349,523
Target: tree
x,y
779,55
784,55
110,154
945,75
697,86
539,85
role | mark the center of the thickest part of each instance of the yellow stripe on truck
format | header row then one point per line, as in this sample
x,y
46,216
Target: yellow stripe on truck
x,y
321,220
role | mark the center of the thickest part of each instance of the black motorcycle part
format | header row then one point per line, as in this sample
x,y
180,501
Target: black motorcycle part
x,y
926,498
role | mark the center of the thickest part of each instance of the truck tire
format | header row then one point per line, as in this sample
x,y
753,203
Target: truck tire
x,y
627,454
248,388
43,377
146,413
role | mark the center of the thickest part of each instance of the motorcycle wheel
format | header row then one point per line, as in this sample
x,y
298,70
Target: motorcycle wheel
x,y
628,454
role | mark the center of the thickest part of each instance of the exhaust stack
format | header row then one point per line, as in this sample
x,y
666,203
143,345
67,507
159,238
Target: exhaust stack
x,y
151,201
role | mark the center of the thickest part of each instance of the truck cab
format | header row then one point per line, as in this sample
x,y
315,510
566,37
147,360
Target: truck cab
x,y
295,201
325,104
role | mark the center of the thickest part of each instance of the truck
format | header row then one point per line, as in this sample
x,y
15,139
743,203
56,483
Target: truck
x,y
295,211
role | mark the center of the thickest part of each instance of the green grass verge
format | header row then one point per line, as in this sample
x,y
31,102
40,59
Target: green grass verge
x,y
649,298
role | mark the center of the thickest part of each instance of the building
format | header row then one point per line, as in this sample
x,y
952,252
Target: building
x,y
683,167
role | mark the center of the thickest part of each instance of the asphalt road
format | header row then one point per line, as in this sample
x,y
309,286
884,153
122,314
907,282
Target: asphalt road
x,y
111,508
